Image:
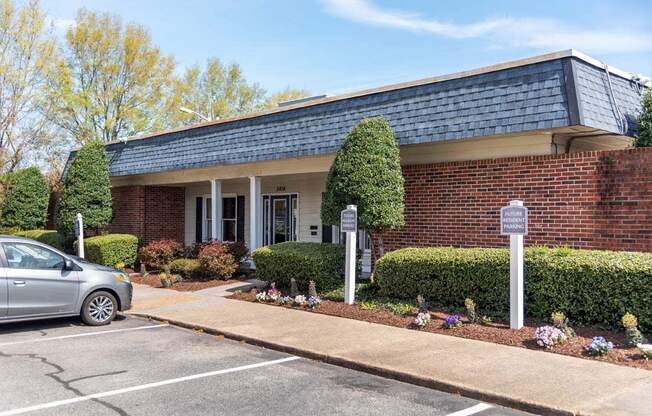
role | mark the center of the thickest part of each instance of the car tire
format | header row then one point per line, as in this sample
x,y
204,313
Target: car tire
x,y
99,308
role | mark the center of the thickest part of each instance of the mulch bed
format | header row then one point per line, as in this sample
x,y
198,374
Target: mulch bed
x,y
184,286
496,332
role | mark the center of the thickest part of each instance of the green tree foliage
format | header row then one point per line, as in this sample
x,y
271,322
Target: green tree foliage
x,y
218,91
287,94
85,189
111,82
26,200
27,52
367,172
644,138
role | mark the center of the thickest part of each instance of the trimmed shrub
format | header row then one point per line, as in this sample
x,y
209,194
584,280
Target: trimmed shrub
x,y
50,237
321,262
238,250
186,267
367,172
111,249
25,203
160,253
216,261
86,189
593,287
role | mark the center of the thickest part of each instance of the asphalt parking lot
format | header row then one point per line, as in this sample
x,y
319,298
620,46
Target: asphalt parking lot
x,y
140,367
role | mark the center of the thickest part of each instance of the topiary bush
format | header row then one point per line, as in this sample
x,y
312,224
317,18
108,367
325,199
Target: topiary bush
x,y
49,237
216,261
25,203
321,262
591,286
111,249
159,253
86,190
367,172
187,268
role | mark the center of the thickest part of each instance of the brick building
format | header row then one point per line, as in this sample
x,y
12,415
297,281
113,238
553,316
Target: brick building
x,y
549,130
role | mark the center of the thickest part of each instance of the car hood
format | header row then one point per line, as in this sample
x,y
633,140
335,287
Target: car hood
x,y
85,264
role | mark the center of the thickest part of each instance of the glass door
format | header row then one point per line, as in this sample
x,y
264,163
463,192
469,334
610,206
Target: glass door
x,y
280,218
280,223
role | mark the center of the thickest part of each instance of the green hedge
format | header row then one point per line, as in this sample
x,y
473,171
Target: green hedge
x,y
590,286
321,262
50,237
186,267
111,249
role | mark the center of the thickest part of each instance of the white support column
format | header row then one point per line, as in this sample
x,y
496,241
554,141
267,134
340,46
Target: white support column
x,y
255,212
216,209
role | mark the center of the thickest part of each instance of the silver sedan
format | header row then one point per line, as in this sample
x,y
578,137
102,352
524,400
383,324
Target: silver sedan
x,y
38,281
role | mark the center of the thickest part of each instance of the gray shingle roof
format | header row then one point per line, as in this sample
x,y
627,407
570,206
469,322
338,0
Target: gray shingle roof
x,y
513,100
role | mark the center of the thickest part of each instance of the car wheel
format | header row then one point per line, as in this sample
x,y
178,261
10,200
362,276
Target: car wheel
x,y
99,309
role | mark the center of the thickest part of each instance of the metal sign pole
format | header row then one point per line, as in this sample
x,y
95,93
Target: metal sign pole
x,y
79,230
349,225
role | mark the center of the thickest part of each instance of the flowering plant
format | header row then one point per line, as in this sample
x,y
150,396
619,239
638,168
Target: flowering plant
x,y
632,333
300,300
261,296
549,336
599,346
284,300
314,301
629,320
453,321
422,320
471,313
646,350
273,293
560,321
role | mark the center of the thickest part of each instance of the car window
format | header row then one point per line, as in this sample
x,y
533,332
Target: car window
x,y
29,256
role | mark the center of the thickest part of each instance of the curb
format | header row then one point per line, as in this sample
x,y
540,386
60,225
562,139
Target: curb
x,y
374,370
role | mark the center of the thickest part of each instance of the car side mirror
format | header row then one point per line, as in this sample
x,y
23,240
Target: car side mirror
x,y
68,265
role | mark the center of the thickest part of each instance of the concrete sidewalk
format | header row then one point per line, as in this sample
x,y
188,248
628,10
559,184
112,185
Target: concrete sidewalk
x,y
530,380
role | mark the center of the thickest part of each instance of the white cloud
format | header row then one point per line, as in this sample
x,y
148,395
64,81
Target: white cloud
x,y
500,32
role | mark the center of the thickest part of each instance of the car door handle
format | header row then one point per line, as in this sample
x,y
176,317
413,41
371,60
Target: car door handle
x,y
19,282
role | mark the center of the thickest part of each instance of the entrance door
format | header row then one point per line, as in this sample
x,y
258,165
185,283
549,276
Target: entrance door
x,y
279,218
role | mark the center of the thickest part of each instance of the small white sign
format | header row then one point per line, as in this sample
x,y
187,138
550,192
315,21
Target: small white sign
x,y
349,225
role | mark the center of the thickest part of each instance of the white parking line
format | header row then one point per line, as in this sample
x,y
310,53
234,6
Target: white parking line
x,y
142,387
87,334
471,410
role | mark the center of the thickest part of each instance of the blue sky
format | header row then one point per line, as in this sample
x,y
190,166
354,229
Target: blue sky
x,y
335,46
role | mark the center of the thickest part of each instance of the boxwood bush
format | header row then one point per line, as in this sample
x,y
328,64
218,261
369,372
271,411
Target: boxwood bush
x,y
50,237
188,268
321,262
590,286
111,249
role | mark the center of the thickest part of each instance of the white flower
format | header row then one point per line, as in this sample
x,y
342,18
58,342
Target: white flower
x,y
300,300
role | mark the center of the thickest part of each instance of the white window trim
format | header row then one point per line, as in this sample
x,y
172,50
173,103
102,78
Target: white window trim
x,y
204,223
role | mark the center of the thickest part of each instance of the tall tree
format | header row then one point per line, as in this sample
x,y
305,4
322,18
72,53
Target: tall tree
x,y
216,91
367,172
111,81
644,137
85,189
287,94
27,52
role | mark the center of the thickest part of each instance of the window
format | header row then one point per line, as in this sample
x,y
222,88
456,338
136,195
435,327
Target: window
x,y
229,218
208,221
29,256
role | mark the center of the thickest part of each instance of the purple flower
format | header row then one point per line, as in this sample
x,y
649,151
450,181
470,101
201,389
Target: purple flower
x,y
452,321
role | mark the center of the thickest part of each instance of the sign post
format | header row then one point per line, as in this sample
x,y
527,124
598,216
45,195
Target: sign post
x,y
514,222
79,233
349,225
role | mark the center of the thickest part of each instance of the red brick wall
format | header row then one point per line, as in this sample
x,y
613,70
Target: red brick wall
x,y
150,212
599,200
